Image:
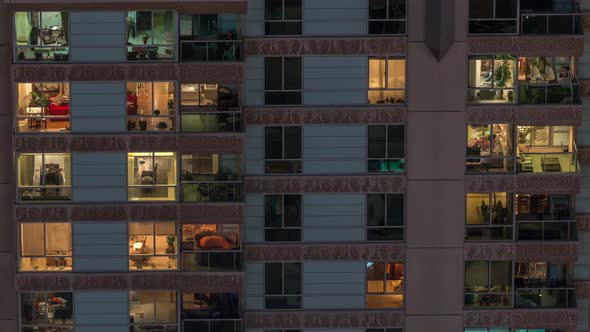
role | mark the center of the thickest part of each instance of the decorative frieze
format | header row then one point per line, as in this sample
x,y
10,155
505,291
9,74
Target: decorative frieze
x,y
325,184
305,46
324,115
542,115
524,183
330,252
565,319
555,252
324,319
527,45
583,223
182,6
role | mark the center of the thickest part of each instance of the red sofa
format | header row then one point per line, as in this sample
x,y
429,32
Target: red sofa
x,y
63,110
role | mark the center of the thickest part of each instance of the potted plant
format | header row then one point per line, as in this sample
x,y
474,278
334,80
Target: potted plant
x,y
145,36
503,74
171,240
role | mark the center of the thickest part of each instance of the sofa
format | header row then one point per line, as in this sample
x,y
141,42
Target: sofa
x,y
59,110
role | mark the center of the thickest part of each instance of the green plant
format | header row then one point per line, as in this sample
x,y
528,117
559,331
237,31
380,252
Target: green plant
x,y
503,71
36,99
171,240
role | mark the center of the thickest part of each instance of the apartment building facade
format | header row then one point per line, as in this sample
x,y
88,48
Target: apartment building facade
x,y
295,165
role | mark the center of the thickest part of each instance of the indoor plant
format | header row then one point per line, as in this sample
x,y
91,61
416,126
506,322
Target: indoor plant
x,y
171,240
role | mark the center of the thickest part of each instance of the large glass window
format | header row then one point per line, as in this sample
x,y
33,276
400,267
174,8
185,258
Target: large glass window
x,y
151,176
282,149
493,16
210,247
282,218
43,107
387,80
282,285
210,37
493,329
46,247
42,36
490,148
550,17
213,178
489,216
210,108
211,312
282,17
283,80
151,35
548,80
488,283
385,217
47,311
151,106
387,17
152,311
386,145
543,149
542,284
152,246
44,176
542,217
492,79
385,285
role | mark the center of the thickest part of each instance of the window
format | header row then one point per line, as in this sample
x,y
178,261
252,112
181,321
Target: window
x,y
493,16
386,149
41,36
152,246
491,79
387,80
151,35
545,217
211,247
46,247
151,106
490,148
282,17
210,108
210,312
488,283
282,285
212,178
387,17
282,218
385,217
152,310
493,329
210,37
489,216
282,150
151,176
546,149
282,80
44,176
384,330
385,285
47,311
541,284
43,107
548,80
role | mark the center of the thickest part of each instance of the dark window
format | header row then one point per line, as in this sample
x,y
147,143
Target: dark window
x,y
282,80
386,149
492,16
282,285
387,17
282,218
488,283
384,330
282,150
385,217
282,17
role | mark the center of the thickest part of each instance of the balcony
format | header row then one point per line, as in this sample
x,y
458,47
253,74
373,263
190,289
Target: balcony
x,y
548,162
217,191
212,122
211,50
545,298
551,24
549,93
212,261
545,218
212,325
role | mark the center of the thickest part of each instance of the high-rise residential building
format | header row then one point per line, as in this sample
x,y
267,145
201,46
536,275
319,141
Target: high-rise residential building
x,y
294,166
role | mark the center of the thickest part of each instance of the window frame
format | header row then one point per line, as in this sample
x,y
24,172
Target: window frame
x,y
493,58
510,294
489,223
298,163
401,161
154,253
46,324
282,20
43,187
155,299
385,214
299,91
20,254
385,281
51,48
42,116
386,79
153,155
174,118
517,21
233,186
284,294
491,157
387,19
299,228
175,47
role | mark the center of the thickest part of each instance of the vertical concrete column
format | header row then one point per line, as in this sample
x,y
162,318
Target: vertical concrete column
x,y
8,300
437,88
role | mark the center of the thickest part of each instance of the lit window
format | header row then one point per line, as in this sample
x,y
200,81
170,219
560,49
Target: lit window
x,y
152,310
43,107
151,106
44,176
46,247
42,36
211,178
490,148
385,285
47,311
387,80
152,246
210,108
151,176
492,79
211,247
489,216
488,283
151,35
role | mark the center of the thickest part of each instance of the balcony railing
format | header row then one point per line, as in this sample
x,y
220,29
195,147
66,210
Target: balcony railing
x,y
145,327
211,50
545,298
211,122
212,325
47,193
212,261
214,191
151,52
554,162
548,24
549,93
547,230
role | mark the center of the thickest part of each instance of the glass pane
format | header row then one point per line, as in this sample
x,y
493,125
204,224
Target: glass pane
x,y
506,8
139,28
395,141
273,9
164,29
293,72
292,278
481,9
165,238
377,72
396,75
476,276
273,278
282,235
273,73
292,142
394,278
32,240
166,307
292,9
273,142
502,207
376,210
480,71
478,209
504,68
142,307
377,9
501,276
377,143
292,210
273,207
395,210
58,239
397,9
375,277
